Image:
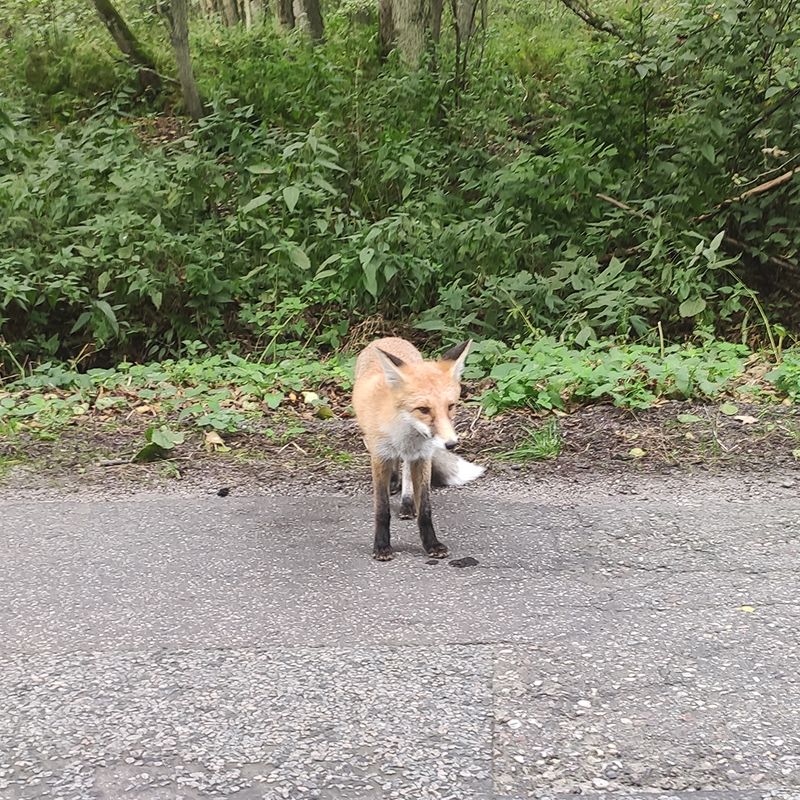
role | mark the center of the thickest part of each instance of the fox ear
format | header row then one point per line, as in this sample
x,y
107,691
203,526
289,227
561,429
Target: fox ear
x,y
458,354
390,363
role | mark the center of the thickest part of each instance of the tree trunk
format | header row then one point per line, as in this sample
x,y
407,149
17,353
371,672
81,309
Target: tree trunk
x,y
128,43
284,14
230,13
437,7
466,22
411,18
308,18
387,35
180,43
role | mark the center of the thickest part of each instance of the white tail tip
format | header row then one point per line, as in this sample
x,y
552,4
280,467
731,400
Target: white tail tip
x,y
452,470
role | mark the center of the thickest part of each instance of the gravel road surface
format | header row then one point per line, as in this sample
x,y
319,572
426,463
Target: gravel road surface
x,y
641,645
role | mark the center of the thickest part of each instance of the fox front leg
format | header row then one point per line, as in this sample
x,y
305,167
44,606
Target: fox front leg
x,y
381,479
407,508
421,478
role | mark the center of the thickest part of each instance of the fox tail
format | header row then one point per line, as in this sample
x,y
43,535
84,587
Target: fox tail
x,y
448,469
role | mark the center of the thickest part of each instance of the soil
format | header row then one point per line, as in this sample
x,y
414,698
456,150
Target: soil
x,y
605,451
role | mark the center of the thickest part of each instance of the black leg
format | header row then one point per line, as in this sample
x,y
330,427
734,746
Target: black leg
x,y
421,476
381,478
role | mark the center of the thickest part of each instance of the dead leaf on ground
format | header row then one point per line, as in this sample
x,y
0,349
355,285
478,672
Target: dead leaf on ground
x,y
214,442
746,419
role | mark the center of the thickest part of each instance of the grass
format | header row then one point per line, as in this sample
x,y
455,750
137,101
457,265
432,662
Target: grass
x,y
225,392
539,444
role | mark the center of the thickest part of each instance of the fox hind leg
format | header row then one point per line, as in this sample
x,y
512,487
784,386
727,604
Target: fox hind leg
x,y
408,509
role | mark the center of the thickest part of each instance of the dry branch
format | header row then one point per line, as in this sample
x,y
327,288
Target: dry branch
x,y
760,189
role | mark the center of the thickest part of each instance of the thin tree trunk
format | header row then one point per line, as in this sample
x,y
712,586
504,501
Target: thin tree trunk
x,y
180,43
387,35
284,14
248,14
230,13
437,7
128,43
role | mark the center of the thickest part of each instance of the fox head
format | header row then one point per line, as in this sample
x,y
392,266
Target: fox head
x,y
426,392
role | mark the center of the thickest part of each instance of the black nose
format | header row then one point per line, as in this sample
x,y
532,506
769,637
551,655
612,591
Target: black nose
x,y
450,445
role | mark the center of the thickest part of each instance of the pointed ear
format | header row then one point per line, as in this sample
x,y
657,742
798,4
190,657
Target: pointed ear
x,y
458,355
390,363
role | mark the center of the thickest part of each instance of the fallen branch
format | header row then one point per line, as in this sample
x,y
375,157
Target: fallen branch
x,y
760,189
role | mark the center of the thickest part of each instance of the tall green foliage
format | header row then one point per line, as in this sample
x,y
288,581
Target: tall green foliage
x,y
326,187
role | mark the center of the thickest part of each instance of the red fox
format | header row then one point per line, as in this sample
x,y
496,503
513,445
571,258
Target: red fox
x,y
404,406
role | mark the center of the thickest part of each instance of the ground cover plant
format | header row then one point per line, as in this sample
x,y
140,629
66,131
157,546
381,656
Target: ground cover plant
x,y
579,184
224,392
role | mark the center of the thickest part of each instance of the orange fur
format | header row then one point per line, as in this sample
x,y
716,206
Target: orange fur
x,y
404,407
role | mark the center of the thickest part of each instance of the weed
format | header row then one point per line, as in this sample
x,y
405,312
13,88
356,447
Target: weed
x,y
539,444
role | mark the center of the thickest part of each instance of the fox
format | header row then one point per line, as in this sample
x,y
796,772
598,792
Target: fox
x,y
404,406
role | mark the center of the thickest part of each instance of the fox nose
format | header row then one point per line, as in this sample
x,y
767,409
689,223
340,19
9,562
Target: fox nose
x,y
451,445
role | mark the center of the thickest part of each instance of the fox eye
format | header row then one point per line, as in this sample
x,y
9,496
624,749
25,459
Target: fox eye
x,y
424,410
451,407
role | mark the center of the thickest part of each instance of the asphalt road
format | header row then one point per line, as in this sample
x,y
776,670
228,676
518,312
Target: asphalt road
x,y
249,647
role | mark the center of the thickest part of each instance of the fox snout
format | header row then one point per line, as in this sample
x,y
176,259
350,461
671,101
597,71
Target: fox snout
x,y
451,444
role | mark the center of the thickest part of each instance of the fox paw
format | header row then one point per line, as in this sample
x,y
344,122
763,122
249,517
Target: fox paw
x,y
407,508
383,554
437,550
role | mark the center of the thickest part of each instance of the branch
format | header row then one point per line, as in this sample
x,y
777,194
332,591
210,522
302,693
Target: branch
x,y
732,244
599,23
618,204
770,111
760,189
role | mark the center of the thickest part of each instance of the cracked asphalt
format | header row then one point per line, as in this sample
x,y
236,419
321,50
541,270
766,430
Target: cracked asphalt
x,y
641,644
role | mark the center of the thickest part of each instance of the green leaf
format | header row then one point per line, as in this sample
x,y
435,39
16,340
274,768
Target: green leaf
x,y
584,335
82,320
299,257
707,150
273,400
323,162
166,439
692,307
716,242
291,194
685,419
150,452
256,202
370,267
109,314
729,409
